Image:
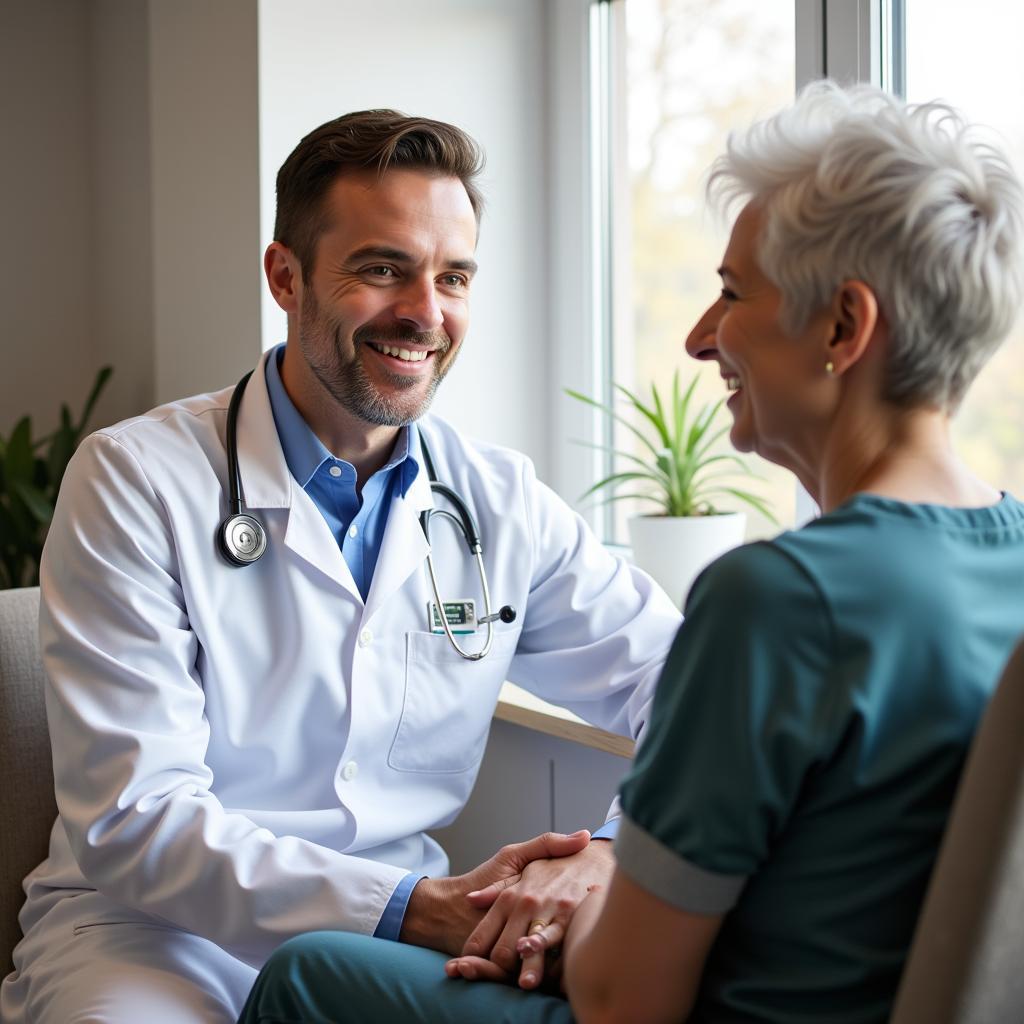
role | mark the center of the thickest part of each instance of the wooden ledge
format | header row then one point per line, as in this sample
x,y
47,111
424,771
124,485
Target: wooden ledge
x,y
517,706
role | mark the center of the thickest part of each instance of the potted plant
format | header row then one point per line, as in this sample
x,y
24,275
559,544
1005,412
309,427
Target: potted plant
x,y
685,476
30,476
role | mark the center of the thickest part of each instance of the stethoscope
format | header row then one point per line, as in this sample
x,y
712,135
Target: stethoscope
x,y
242,539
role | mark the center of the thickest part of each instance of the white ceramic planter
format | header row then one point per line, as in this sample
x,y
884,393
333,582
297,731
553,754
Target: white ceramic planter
x,y
674,550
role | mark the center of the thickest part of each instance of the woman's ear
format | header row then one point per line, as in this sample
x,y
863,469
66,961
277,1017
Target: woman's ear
x,y
855,321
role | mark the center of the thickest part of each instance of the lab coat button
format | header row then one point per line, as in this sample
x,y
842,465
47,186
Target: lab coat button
x,y
350,771
353,530
335,471
365,637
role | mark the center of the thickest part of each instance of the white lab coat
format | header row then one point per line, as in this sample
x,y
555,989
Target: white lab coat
x,y
245,754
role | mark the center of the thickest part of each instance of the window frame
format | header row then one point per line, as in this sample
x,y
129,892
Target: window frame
x,y
848,40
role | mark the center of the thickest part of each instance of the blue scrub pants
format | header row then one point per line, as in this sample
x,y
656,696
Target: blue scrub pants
x,y
339,977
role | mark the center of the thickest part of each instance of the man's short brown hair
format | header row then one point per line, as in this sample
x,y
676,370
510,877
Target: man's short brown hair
x,y
367,139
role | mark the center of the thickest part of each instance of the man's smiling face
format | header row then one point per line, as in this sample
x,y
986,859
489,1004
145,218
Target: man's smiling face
x,y
386,305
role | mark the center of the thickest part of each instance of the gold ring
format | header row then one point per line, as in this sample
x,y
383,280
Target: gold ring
x,y
536,926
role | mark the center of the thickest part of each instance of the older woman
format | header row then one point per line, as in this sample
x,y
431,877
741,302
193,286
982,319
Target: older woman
x,y
786,806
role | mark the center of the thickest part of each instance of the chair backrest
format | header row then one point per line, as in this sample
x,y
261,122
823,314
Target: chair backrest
x,y
966,963
27,807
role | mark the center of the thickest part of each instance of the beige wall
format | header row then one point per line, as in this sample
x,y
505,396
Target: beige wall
x,y
204,108
47,336
122,239
129,180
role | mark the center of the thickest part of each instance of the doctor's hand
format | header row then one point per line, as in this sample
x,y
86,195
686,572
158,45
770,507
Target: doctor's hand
x,y
440,914
542,900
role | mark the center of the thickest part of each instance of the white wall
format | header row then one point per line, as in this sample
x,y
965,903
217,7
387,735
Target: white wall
x,y
481,65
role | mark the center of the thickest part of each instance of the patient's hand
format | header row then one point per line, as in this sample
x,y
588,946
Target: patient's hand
x,y
440,914
541,901
535,971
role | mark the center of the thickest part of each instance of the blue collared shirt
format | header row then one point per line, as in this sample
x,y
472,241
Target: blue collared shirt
x,y
357,523
358,527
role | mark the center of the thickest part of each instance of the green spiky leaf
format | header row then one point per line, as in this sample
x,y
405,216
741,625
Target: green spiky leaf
x,y
31,471
681,460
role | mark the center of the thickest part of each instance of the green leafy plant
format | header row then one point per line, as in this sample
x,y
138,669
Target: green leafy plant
x,y
30,476
685,473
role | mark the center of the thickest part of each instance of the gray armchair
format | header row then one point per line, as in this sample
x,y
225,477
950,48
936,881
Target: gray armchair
x,y
966,963
27,808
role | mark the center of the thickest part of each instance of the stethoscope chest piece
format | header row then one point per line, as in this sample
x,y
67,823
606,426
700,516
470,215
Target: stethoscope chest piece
x,y
240,536
242,539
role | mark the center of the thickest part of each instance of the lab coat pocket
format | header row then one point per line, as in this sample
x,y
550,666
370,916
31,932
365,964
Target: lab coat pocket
x,y
448,703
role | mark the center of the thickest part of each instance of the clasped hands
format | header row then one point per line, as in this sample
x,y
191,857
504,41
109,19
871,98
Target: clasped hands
x,y
506,916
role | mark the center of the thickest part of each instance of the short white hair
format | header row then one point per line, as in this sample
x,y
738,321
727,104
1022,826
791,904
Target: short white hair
x,y
853,183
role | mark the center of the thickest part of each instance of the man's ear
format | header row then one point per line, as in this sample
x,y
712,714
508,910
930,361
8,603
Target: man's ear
x,y
284,276
855,322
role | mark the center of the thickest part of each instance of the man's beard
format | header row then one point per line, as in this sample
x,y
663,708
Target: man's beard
x,y
345,378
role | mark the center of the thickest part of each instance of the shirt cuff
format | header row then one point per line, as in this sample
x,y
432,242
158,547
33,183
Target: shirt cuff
x,y
609,830
673,879
390,924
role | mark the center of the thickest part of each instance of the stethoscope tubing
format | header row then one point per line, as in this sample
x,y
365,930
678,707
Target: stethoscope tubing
x,y
485,650
236,496
239,518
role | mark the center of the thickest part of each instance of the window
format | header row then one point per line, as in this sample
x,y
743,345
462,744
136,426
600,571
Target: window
x,y
668,79
971,62
694,69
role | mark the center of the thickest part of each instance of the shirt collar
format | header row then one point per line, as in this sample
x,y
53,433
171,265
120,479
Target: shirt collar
x,y
407,443
305,453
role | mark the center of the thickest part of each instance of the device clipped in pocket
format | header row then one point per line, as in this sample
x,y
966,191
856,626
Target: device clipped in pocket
x,y
461,616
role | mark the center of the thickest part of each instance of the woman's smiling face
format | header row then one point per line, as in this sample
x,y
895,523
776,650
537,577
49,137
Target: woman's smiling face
x,y
773,376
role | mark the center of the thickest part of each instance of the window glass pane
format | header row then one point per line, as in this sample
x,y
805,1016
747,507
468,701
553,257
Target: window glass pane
x,y
970,57
694,70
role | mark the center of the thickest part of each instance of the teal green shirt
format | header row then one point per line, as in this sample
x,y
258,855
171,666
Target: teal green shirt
x,y
805,743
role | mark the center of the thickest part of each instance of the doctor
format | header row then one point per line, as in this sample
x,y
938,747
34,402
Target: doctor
x,y
246,752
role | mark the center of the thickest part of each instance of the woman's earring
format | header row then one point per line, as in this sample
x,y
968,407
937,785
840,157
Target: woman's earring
x,y
830,367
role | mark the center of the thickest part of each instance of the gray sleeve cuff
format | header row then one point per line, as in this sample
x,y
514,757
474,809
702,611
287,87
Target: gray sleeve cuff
x,y
663,873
